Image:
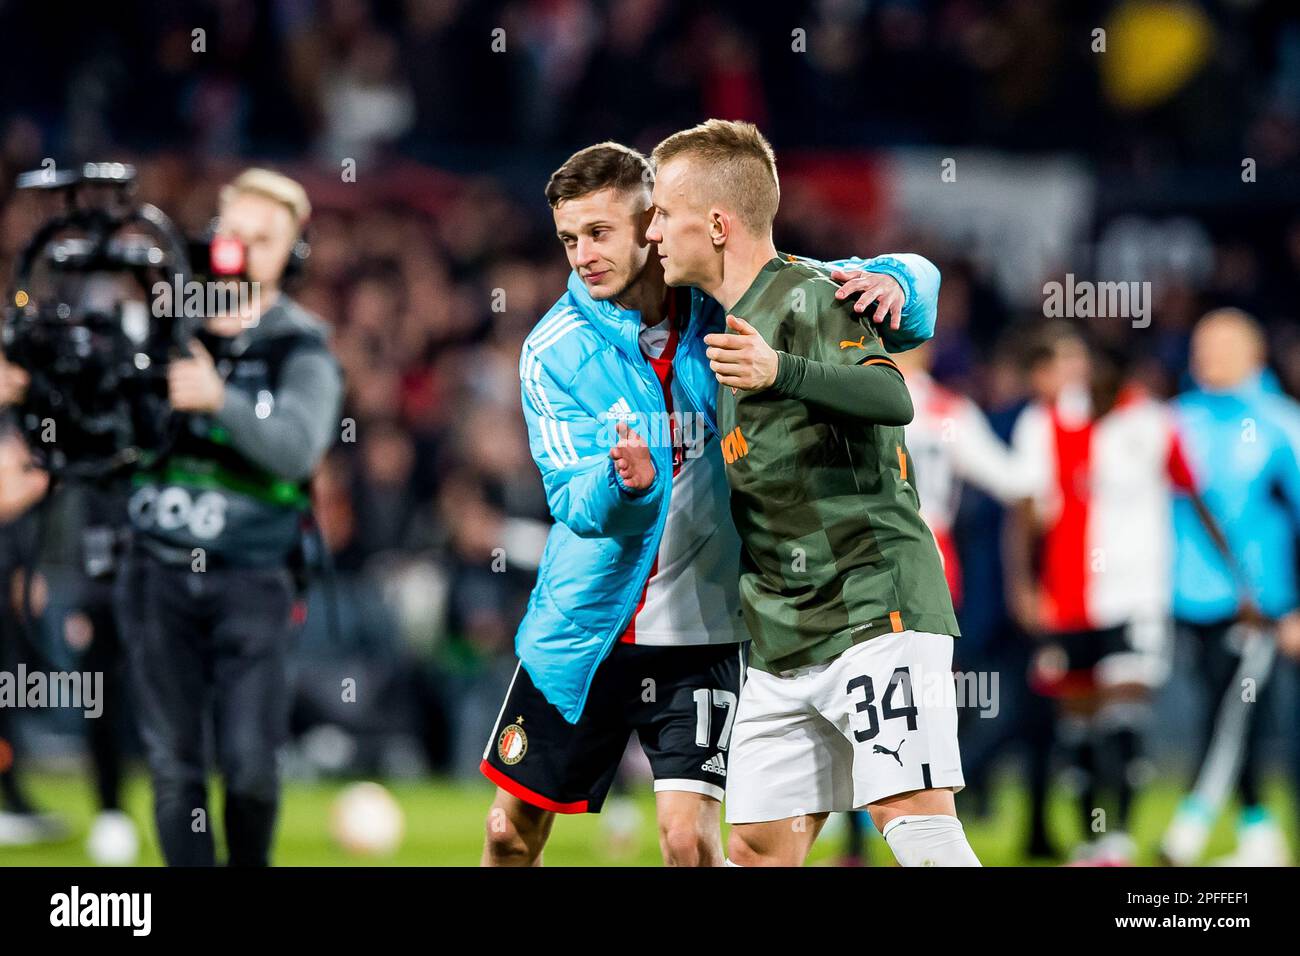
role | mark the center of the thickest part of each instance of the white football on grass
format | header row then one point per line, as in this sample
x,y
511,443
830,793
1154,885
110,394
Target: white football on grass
x,y
365,820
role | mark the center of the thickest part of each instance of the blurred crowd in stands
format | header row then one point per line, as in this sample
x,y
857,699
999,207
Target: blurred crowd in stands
x,y
1131,83
432,263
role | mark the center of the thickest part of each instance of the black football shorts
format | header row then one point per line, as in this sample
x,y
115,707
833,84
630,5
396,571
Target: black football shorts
x,y
680,701
1066,665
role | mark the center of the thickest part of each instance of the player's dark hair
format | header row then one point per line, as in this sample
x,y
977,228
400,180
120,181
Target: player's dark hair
x,y
1041,343
1111,367
603,166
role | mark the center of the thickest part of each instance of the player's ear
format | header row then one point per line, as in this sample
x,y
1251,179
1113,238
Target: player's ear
x,y
719,226
643,220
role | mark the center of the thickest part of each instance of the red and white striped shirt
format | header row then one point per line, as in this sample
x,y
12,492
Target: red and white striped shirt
x,y
951,442
1103,491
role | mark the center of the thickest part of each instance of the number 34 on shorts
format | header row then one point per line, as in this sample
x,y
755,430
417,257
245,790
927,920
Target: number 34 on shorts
x,y
879,720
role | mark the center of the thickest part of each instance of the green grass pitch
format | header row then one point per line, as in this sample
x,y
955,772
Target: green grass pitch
x,y
444,826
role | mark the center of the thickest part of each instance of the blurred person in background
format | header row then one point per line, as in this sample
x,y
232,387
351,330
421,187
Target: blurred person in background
x,y
1241,436
1089,562
635,621
23,483
90,628
22,486
1288,642
951,444
991,639
206,594
497,524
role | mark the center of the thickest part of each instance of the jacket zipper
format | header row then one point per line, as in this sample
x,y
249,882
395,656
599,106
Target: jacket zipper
x,y
686,337
644,568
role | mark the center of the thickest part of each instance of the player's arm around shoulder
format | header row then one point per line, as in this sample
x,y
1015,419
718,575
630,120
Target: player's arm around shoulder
x,y
905,288
579,450
741,357
833,358
837,363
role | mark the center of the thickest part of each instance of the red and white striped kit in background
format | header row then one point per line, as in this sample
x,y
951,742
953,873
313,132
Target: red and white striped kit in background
x,y
950,442
1103,491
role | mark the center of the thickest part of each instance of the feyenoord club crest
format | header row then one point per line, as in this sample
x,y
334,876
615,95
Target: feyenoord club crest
x,y
513,743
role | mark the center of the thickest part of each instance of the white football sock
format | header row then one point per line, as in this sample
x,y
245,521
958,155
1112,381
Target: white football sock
x,y
935,839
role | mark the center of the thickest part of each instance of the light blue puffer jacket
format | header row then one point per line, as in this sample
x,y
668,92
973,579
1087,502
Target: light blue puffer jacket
x,y
1252,487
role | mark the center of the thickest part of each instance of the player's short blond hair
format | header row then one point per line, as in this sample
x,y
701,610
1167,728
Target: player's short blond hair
x,y
269,184
741,167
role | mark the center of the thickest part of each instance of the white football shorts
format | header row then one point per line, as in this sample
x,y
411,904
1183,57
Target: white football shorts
x,y
878,720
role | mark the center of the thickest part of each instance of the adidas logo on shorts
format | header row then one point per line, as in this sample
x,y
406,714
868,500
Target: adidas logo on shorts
x,y
715,764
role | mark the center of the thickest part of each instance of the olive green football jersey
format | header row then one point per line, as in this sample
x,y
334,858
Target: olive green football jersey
x,y
834,548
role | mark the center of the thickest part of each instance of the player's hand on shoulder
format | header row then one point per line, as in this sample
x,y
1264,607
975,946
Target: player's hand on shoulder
x,y
632,461
872,287
741,358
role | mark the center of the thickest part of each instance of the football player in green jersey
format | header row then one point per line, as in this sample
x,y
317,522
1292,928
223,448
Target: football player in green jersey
x,y
850,700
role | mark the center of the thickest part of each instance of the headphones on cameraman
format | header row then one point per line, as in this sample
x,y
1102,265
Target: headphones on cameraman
x,y
296,265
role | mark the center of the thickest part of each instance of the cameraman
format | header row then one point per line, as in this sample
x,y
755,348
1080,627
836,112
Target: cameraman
x,y
205,595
